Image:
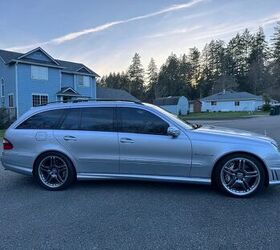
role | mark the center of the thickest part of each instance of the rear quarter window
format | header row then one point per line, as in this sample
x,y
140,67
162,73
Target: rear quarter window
x,y
43,120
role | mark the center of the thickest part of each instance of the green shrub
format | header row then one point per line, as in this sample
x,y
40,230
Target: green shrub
x,y
266,107
5,120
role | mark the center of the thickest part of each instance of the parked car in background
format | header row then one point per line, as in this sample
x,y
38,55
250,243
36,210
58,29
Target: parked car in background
x,y
59,143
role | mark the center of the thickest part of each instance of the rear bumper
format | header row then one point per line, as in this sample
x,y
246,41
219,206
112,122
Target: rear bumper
x,y
8,165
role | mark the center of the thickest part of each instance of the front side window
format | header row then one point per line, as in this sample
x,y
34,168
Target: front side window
x,y
11,101
44,120
38,100
83,81
39,73
72,120
134,120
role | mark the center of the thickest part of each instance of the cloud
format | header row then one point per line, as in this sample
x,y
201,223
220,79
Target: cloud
x,y
75,35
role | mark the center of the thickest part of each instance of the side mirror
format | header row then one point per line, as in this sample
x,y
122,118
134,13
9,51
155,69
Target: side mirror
x,y
174,132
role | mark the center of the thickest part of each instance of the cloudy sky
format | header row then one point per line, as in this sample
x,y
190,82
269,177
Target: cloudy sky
x,y
104,34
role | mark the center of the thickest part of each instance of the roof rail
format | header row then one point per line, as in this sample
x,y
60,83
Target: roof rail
x,y
93,99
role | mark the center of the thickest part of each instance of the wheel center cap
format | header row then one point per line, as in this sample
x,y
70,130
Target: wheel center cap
x,y
239,175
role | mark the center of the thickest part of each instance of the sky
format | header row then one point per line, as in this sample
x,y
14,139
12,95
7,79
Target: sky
x,y
105,34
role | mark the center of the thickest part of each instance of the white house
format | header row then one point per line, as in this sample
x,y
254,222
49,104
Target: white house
x,y
231,101
177,105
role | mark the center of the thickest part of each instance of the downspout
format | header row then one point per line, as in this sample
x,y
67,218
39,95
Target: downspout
x,y
16,64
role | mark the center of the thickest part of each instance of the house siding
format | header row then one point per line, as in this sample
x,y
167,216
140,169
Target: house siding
x,y
39,56
86,91
28,86
8,74
182,107
246,105
67,80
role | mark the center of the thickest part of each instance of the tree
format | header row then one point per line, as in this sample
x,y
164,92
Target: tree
x,y
257,60
276,55
169,81
152,75
136,77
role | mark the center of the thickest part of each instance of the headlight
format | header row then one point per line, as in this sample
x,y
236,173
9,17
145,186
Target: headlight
x,y
275,146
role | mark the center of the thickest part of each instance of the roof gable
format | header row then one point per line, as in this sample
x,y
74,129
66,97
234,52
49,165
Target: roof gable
x,y
38,54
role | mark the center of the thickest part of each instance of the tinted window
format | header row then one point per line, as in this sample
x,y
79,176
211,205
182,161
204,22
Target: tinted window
x,y
44,120
97,119
139,121
72,120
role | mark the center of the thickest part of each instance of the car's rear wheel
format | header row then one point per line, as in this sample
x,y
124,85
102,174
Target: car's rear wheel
x,y
54,171
240,175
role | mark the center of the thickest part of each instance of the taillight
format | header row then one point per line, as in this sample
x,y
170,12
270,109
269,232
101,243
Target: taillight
x,y
7,145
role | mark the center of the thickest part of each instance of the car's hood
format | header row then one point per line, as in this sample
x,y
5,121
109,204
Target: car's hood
x,y
233,132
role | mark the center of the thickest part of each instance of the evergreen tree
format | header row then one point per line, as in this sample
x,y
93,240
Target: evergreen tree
x,y
136,77
276,55
152,75
257,60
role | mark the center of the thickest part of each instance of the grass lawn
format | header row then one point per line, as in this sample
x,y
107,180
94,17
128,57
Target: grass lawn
x,y
2,133
222,115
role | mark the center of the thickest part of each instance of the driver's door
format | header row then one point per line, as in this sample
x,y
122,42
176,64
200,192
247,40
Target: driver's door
x,y
145,147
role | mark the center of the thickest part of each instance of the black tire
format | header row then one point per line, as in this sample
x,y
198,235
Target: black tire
x,y
58,157
218,182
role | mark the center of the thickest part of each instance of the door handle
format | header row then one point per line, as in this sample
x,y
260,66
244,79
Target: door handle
x,y
69,138
126,140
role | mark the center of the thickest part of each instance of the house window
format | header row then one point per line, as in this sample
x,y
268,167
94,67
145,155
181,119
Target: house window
x,y
2,88
213,103
237,103
11,100
83,81
39,73
38,100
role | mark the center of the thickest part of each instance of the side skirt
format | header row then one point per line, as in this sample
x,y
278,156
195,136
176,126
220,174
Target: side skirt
x,y
86,176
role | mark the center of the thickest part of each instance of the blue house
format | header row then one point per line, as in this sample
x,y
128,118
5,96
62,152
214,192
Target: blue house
x,y
36,78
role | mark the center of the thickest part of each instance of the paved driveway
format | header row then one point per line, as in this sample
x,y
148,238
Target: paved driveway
x,y
138,215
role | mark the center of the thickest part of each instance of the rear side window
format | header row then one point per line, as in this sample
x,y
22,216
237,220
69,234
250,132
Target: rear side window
x,y
134,120
97,119
44,120
71,120
89,119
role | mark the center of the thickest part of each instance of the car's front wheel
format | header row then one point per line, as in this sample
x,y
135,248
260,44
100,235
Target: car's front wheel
x,y
240,175
54,171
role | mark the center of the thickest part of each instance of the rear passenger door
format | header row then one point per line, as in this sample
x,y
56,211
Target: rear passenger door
x,y
90,136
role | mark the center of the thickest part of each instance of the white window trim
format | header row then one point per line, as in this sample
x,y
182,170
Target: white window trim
x,y
2,87
38,78
13,104
39,94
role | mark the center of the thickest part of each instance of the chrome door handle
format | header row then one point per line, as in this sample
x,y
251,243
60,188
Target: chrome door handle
x,y
69,138
126,140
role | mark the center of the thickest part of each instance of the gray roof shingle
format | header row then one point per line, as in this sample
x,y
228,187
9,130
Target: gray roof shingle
x,y
171,100
231,95
8,56
114,94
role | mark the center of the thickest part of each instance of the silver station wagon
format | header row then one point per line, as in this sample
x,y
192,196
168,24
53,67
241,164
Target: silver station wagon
x,y
59,143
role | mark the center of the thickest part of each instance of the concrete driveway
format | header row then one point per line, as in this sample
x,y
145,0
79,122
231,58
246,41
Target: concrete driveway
x,y
138,215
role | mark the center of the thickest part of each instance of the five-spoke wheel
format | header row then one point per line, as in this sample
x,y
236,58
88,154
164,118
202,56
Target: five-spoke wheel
x,y
54,171
239,175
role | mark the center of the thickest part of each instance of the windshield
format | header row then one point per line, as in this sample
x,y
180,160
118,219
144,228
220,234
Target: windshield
x,y
173,117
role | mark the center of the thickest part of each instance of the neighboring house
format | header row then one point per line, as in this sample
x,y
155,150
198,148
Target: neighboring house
x,y
114,94
177,105
195,106
35,78
231,101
